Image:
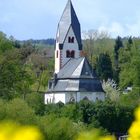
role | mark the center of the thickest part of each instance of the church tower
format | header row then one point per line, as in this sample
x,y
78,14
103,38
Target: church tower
x,y
74,79
68,38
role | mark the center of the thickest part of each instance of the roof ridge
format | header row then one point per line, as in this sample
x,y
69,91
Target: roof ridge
x,y
66,63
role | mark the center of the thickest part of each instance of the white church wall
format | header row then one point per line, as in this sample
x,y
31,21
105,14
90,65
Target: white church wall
x,y
49,98
76,96
57,59
55,98
92,96
60,97
100,96
70,96
87,95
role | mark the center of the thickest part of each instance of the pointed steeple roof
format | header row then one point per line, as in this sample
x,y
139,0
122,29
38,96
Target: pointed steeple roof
x,y
69,18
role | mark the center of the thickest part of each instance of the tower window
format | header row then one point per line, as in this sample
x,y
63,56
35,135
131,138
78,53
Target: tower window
x,y
56,54
68,54
72,54
71,39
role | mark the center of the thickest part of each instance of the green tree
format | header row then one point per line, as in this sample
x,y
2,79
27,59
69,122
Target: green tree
x,y
36,102
5,43
86,109
118,45
2,109
19,111
130,67
104,67
120,117
14,79
71,111
59,128
96,42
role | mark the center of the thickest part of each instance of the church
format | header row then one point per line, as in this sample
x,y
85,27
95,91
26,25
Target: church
x,y
74,78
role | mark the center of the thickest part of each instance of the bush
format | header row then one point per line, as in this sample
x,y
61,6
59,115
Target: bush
x,y
18,110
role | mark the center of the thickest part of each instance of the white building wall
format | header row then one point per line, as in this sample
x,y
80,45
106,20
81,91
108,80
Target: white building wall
x,y
70,96
57,59
92,96
55,98
100,96
77,96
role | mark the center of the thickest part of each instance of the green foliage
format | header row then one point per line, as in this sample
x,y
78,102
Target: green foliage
x,y
130,67
25,70
36,102
85,107
5,44
130,99
71,111
111,93
19,111
2,109
52,109
59,128
104,67
106,112
117,47
14,79
96,43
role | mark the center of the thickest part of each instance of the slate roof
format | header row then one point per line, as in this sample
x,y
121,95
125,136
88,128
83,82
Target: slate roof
x,y
68,19
77,68
76,76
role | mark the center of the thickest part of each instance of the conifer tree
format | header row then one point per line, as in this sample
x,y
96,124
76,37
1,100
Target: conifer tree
x,y
118,45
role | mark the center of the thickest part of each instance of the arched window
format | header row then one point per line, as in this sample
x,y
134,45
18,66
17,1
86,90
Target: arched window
x,y
97,99
68,54
86,98
71,39
72,54
72,99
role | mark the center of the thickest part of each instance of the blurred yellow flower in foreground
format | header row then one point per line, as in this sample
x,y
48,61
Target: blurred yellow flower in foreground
x,y
134,131
94,135
13,131
137,114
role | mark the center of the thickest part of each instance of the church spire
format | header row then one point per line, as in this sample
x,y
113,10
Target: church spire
x,y
69,18
68,41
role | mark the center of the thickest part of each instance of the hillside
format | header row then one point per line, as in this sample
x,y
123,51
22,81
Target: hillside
x,y
26,68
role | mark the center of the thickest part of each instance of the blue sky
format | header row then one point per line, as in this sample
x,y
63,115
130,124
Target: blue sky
x,y
38,19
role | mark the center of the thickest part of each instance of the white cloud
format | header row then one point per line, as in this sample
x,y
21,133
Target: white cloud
x,y
114,29
122,29
38,19
134,29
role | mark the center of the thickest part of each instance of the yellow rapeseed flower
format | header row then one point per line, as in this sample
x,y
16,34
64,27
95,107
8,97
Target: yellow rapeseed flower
x,y
134,131
137,114
93,135
13,131
27,133
6,130
107,138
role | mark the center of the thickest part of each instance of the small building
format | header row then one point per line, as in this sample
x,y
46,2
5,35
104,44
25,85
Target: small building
x,y
74,78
